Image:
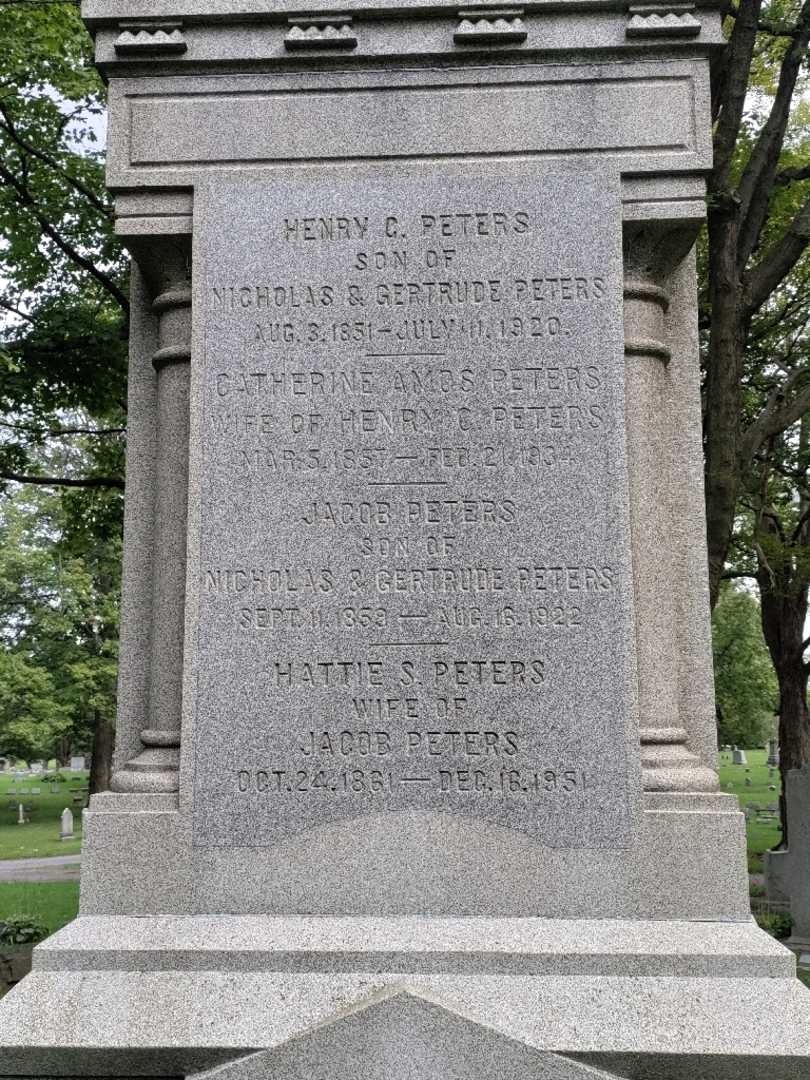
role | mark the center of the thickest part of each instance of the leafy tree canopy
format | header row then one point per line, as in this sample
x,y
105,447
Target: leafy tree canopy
x,y
745,683
59,579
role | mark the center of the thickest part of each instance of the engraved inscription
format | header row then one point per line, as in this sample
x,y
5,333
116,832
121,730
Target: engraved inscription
x,y
413,566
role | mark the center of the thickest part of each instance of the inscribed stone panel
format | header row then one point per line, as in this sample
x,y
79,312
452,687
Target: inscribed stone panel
x,y
414,575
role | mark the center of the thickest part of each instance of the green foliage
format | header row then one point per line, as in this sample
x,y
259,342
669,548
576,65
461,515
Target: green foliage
x,y
53,903
63,330
59,580
64,292
22,930
777,923
745,683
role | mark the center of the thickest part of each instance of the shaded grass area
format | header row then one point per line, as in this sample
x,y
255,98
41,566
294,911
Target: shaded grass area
x,y
53,903
761,834
40,836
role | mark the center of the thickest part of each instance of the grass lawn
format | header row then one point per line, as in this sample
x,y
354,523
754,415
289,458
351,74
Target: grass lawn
x,y
53,902
762,835
40,836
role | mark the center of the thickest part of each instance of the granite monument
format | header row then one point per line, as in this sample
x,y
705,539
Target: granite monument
x,y
416,756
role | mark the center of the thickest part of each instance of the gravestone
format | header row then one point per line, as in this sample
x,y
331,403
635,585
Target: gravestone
x,y
773,753
738,757
77,763
787,872
66,825
416,756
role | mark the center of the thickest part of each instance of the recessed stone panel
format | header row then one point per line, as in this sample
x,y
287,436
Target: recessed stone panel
x,y
414,576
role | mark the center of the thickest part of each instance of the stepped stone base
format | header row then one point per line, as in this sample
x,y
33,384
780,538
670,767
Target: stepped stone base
x,y
261,998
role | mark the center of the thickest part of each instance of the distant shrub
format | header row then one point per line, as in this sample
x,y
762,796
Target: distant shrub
x,y
22,930
777,923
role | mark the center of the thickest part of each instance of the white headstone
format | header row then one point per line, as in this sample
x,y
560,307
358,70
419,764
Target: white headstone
x,y
66,830
77,764
20,814
738,757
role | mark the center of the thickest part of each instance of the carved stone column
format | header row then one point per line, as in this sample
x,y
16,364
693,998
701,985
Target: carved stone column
x,y
155,769
651,251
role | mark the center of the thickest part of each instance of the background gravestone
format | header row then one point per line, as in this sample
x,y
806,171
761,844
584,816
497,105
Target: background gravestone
x,y
415,761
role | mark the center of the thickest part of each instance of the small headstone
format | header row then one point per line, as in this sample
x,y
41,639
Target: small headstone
x,y
37,766
738,757
771,787
748,781
77,764
21,819
36,791
66,830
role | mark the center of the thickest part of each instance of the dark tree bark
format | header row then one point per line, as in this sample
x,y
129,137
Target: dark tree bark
x,y
101,761
783,617
783,576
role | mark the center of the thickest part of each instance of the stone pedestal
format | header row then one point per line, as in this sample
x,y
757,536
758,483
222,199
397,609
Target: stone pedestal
x,y
415,766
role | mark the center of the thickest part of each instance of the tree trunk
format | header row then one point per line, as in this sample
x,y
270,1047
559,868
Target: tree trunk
x,y
101,762
723,390
784,609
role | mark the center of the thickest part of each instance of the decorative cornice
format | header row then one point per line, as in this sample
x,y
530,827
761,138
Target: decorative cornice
x,y
482,26
662,20
151,38
321,32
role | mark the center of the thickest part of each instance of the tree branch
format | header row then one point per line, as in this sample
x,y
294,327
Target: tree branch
x,y
53,433
777,415
795,536
778,260
17,311
731,89
758,176
65,481
787,176
27,200
52,163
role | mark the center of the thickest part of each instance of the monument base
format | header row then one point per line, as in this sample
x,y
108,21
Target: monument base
x,y
260,997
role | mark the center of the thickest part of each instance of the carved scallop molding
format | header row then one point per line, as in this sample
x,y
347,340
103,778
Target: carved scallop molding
x,y
321,32
482,26
660,20
150,38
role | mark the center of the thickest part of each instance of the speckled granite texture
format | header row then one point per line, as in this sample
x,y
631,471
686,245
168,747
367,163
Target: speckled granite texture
x,y
415,763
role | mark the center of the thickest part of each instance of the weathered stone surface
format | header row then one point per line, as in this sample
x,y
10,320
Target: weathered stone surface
x,y
492,846
414,554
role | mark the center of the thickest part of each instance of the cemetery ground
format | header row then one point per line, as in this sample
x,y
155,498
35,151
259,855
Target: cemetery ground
x,y
762,826
43,801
